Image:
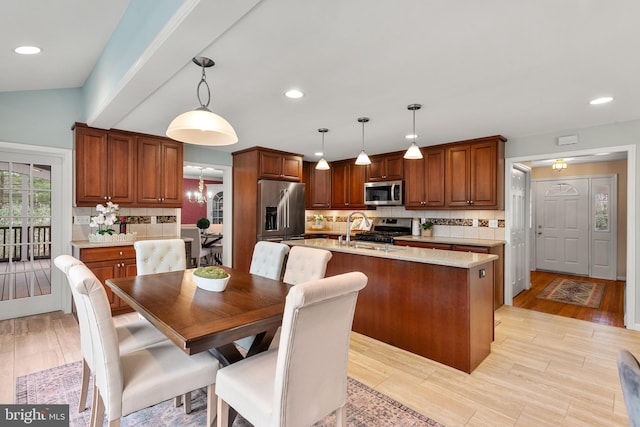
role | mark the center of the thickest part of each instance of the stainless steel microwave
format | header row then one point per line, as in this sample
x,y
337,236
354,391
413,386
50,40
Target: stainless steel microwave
x,y
383,193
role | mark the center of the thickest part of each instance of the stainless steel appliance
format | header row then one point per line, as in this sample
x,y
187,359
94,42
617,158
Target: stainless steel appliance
x,y
385,229
280,210
383,193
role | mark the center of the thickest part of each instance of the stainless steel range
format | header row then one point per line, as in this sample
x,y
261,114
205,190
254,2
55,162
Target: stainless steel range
x,y
385,229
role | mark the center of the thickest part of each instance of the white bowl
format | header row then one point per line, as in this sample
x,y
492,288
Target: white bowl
x,y
216,285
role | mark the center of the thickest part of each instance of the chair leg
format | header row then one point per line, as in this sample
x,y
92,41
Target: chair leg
x,y
97,409
211,406
84,386
177,401
341,416
223,413
187,403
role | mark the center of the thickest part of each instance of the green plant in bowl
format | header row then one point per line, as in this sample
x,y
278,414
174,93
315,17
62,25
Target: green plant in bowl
x,y
211,278
211,273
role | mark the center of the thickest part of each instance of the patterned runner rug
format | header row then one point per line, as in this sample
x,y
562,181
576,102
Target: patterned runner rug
x,y
61,385
577,292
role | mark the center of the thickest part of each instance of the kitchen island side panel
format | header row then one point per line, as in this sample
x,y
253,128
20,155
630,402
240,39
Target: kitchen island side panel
x,y
438,312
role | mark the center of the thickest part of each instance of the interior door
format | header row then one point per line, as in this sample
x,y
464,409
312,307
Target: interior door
x,y
30,203
562,226
518,232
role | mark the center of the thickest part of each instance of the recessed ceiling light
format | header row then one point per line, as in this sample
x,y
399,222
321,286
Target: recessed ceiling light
x,y
602,100
318,153
27,50
294,94
410,136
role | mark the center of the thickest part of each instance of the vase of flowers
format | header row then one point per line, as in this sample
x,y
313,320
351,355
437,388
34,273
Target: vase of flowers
x,y
319,222
105,220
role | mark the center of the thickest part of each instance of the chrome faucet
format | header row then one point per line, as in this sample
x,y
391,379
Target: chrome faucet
x,y
366,222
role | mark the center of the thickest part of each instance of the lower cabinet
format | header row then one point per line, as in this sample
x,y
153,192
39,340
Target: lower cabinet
x,y
107,263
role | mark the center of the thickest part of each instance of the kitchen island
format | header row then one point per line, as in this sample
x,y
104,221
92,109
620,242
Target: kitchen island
x,y
435,303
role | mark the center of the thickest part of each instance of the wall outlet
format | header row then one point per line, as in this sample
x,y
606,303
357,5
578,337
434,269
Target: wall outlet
x,y
81,220
493,223
154,220
475,222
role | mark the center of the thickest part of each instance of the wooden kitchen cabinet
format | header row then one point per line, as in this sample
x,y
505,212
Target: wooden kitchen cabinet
x,y
386,167
347,185
280,166
475,174
160,167
107,263
318,187
105,166
424,180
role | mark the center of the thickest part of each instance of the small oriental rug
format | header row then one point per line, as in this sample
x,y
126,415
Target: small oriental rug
x,y
61,385
577,292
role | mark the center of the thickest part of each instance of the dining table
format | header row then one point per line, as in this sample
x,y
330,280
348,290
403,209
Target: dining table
x,y
199,320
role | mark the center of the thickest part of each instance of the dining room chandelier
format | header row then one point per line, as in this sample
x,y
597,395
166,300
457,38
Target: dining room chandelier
x,y
559,165
201,126
199,197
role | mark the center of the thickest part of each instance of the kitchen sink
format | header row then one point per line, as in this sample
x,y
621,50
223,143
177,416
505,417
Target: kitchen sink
x,y
385,248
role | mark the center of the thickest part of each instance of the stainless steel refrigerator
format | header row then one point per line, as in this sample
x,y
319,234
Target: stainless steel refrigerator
x,y
280,210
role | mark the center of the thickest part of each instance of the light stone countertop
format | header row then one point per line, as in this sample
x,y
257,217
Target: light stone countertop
x,y
82,244
402,253
450,241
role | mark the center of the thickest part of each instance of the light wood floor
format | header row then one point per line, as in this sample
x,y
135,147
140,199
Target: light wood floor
x,y
544,370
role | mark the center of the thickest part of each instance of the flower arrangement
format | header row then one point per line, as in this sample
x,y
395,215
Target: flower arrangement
x,y
107,217
319,218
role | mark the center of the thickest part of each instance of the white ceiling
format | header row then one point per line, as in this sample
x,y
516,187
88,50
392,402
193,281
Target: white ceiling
x,y
479,68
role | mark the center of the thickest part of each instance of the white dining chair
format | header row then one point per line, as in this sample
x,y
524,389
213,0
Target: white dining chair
x,y
197,251
305,264
131,336
305,379
132,381
267,261
160,256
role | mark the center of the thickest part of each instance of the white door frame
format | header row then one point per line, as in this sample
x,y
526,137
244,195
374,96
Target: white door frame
x,y
63,204
630,289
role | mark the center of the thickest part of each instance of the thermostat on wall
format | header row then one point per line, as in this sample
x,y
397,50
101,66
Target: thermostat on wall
x,y
568,140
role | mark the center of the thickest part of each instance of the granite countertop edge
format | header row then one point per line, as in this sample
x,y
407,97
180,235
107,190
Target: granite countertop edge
x,y
81,244
401,253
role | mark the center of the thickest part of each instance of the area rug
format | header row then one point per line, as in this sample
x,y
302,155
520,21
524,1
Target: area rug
x,y
577,292
61,385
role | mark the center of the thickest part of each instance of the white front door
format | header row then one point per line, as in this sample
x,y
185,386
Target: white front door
x,y
518,232
30,208
562,226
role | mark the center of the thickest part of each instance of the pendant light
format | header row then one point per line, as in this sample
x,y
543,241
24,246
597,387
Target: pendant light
x,y
322,164
363,159
413,153
201,126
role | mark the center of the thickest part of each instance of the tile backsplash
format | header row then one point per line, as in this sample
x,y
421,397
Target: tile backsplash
x,y
144,221
459,224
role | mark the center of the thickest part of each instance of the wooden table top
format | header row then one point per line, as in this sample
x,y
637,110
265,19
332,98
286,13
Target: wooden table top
x,y
198,320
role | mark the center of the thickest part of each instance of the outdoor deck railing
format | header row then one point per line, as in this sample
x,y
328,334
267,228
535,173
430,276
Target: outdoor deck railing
x,y
11,243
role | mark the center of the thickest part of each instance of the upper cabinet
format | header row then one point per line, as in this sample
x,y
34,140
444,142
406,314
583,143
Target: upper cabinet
x,y
105,166
127,168
318,189
475,173
160,166
347,185
280,166
424,180
386,167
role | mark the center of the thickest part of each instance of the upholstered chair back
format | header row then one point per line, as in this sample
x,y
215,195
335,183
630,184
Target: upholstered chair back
x,y
305,264
160,256
311,368
629,372
106,351
64,264
268,259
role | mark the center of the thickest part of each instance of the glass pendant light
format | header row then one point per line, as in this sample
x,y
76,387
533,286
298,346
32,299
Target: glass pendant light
x,y
322,164
363,159
201,126
413,153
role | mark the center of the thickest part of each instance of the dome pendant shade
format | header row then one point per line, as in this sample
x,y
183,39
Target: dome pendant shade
x,y
413,153
201,126
322,165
